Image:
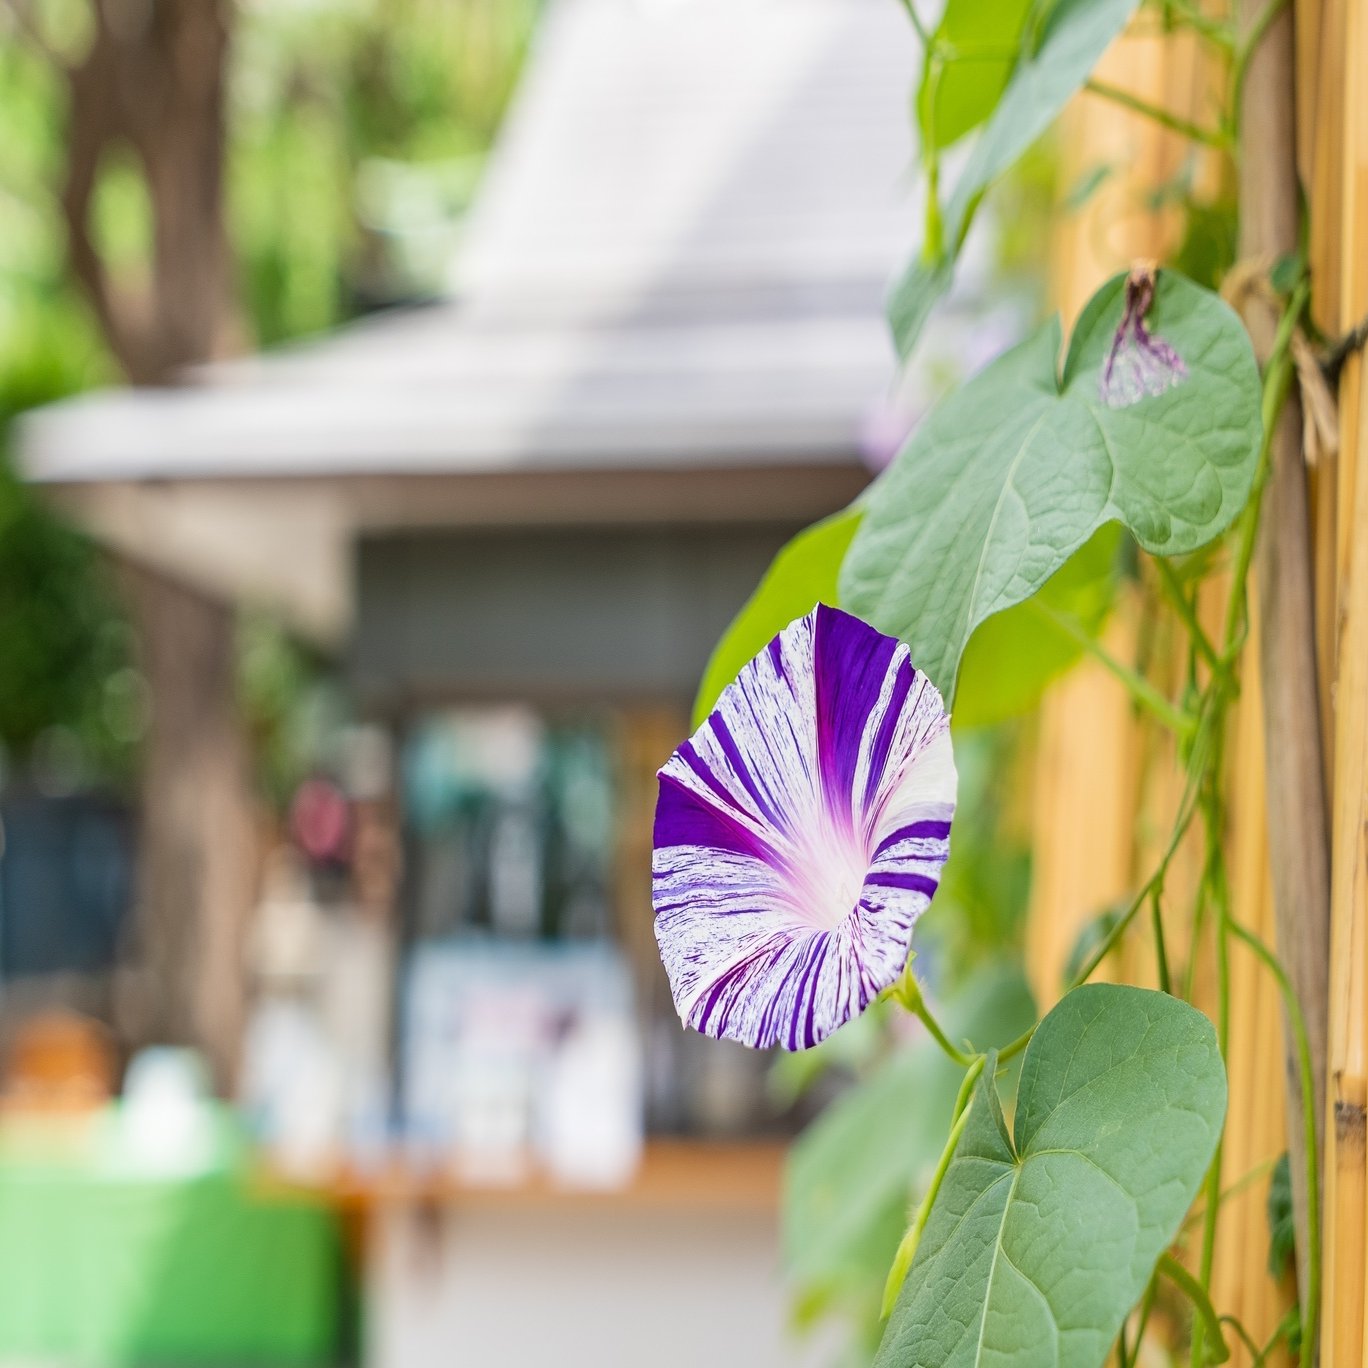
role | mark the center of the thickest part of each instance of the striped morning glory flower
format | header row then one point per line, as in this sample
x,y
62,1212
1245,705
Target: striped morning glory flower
x,y
800,833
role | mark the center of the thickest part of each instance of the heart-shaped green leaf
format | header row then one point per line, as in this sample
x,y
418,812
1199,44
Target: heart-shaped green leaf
x,y
1037,1248
968,63
1009,660
1013,472
1074,35
800,577
851,1175
1014,654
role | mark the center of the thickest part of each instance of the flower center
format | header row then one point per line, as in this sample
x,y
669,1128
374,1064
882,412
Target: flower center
x,y
827,884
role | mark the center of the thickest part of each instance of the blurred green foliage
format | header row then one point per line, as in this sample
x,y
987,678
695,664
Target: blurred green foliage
x,y
292,706
68,696
358,131
979,912
854,1175
356,134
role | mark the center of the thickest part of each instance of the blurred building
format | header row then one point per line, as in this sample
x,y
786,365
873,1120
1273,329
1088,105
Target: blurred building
x,y
520,518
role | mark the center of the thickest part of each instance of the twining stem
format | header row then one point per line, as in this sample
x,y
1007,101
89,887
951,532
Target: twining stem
x,y
907,1249
1205,725
1220,34
1256,1355
1203,793
1196,1293
1153,884
1140,689
917,22
1221,691
967,1088
1216,886
1241,1184
941,1039
1211,137
908,992
1311,1301
1182,605
1160,949
1146,1309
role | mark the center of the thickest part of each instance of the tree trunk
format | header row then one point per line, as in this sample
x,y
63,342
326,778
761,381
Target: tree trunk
x,y
153,83
152,86
197,865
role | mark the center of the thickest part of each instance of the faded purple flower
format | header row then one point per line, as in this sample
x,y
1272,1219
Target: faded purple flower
x,y
800,833
1140,363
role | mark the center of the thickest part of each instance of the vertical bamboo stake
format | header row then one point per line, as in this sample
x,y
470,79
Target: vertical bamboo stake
x,y
1346,1171
1087,763
1322,53
1107,785
1298,842
1090,752
1255,1133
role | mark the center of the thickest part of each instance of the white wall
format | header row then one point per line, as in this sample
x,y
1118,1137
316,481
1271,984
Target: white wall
x,y
582,1285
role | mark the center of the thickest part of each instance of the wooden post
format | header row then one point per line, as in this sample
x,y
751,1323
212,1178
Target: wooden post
x,y
1270,199
1344,40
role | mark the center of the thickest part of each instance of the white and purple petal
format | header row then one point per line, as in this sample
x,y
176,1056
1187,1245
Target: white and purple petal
x,y
800,833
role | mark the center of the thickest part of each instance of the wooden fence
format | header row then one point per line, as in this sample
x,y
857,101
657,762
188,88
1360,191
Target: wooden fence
x,y
1108,783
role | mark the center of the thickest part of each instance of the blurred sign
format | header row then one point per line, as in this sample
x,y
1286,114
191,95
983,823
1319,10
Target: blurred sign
x,y
522,1057
66,879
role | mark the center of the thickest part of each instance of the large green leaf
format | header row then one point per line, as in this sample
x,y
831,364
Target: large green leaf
x,y
969,61
1013,472
1009,661
1072,38
801,576
1036,1248
852,1174
1014,654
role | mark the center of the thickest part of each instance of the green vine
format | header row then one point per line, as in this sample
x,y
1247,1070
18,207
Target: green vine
x,y
980,545
1200,722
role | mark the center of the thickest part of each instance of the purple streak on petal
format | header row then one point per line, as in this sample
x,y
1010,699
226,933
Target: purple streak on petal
x,y
683,819
688,753
888,728
740,768
850,663
817,949
919,883
776,655
929,830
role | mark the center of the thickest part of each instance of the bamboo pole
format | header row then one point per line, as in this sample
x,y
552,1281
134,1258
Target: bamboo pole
x,y
1091,748
1346,1172
1107,785
1321,86
1255,1133
1298,827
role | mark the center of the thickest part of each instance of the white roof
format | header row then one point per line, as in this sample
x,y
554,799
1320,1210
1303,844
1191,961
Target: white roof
x,y
711,158
678,259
